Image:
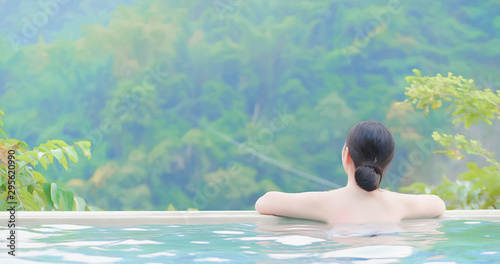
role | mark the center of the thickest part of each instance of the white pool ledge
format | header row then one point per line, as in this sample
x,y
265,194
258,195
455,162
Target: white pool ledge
x,y
129,218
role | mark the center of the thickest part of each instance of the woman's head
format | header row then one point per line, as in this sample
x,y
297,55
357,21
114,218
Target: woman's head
x,y
371,148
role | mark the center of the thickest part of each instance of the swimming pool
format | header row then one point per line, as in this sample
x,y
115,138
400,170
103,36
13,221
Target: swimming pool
x,y
247,237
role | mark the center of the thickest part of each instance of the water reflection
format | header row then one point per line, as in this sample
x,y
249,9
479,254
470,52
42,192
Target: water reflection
x,y
386,242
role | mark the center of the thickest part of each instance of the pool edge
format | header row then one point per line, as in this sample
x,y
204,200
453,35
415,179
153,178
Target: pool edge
x,y
129,218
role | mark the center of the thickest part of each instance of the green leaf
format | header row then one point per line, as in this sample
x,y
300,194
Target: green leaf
x,y
64,162
50,157
28,200
72,154
472,166
54,195
62,199
41,158
23,158
22,145
59,142
171,208
40,196
67,200
58,153
85,146
60,195
38,177
79,204
93,208
71,199
46,190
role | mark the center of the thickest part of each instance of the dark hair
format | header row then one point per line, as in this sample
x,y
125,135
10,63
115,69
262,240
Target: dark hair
x,y
371,147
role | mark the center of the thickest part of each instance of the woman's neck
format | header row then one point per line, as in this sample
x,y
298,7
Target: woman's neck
x,y
351,181
353,185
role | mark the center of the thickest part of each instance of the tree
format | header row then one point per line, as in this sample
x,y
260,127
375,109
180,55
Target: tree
x,y
27,188
478,188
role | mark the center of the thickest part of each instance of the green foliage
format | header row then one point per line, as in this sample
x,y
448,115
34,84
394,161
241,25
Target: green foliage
x,y
170,94
471,146
468,103
478,188
32,191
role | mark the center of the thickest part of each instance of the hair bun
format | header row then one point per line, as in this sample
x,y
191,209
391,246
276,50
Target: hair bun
x,y
374,167
368,176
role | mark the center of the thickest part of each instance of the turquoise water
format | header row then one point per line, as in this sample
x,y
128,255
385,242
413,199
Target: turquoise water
x,y
430,241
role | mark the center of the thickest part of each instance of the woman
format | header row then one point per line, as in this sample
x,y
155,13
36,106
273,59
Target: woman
x,y
368,150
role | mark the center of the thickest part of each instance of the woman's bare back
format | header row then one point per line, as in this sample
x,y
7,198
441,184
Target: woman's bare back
x,y
347,205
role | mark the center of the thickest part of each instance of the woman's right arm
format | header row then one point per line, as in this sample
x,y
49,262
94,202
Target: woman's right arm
x,y
422,206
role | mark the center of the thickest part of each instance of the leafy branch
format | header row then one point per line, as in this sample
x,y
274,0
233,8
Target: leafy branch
x,y
469,103
45,153
31,188
470,146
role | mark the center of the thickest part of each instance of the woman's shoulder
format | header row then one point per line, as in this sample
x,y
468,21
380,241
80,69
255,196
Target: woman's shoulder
x,y
402,198
416,205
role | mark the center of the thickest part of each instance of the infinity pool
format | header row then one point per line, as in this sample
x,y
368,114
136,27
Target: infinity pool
x,y
459,239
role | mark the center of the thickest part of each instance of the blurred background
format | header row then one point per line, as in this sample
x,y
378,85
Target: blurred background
x,y
209,104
